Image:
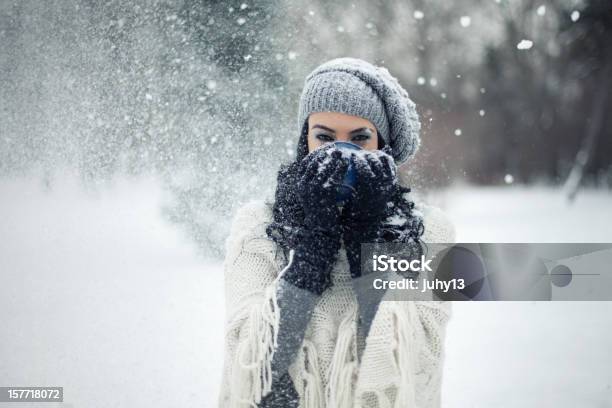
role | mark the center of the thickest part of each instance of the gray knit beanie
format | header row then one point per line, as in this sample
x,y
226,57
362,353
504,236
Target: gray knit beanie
x,y
356,87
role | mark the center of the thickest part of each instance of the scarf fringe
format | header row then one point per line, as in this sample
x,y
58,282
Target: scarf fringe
x,y
252,378
312,384
344,363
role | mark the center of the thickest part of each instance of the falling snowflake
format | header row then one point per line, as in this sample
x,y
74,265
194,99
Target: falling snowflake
x,y
418,14
575,15
524,45
481,112
508,179
421,81
458,132
465,21
541,10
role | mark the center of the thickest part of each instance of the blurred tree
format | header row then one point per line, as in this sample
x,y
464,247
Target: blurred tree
x,y
590,49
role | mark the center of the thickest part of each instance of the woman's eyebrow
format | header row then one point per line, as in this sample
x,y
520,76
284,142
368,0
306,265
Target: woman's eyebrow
x,y
360,130
333,131
324,127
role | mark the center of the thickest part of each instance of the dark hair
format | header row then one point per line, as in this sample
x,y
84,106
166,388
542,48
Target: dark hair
x,y
381,141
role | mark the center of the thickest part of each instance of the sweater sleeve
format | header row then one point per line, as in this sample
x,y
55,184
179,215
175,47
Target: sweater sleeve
x,y
249,280
263,332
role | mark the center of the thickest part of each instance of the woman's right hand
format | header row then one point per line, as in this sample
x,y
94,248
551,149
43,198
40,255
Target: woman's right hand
x,y
317,241
322,171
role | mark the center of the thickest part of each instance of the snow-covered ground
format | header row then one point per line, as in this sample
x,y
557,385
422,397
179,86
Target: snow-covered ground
x,y
101,296
527,214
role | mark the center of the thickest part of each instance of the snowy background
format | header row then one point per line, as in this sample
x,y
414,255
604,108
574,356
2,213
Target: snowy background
x,y
131,131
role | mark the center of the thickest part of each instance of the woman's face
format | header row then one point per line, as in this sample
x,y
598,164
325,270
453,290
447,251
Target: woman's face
x,y
326,127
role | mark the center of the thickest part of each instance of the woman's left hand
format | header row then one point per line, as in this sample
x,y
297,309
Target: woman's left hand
x,y
368,208
376,183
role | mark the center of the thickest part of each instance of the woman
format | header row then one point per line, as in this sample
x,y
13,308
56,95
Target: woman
x,y
299,330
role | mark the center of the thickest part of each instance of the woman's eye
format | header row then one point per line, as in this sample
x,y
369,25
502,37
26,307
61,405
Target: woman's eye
x,y
360,138
324,138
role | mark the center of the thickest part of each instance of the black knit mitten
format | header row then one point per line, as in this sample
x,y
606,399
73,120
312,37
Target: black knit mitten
x,y
283,394
306,222
367,219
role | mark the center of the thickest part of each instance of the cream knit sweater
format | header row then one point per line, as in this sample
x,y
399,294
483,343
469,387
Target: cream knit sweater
x,y
401,365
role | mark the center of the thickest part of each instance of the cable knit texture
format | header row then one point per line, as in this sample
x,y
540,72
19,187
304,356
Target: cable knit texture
x,y
401,365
